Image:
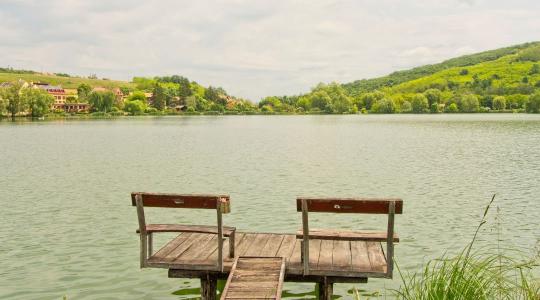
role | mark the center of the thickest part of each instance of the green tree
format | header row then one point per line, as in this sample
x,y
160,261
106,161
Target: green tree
x,y
101,101
452,108
535,69
83,91
320,100
159,99
211,94
137,95
2,102
406,107
469,103
533,105
384,106
15,101
184,88
499,103
433,96
419,104
135,107
368,99
38,101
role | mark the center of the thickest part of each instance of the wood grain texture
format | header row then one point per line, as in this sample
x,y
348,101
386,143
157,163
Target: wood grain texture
x,y
181,200
255,278
349,205
332,234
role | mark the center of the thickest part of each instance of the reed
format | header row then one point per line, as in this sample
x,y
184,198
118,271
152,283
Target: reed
x,y
473,274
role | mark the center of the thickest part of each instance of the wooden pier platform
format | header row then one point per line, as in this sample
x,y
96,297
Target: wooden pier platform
x,y
198,252
310,255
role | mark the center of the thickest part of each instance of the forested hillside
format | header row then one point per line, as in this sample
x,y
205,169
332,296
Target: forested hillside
x,y
506,79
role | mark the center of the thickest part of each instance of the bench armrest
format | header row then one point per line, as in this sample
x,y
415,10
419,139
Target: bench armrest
x,y
328,234
227,231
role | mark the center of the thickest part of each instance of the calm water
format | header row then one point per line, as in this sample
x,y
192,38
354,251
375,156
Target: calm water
x,y
67,227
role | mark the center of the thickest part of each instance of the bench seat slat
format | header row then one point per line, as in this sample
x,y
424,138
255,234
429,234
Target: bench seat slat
x,y
227,231
329,234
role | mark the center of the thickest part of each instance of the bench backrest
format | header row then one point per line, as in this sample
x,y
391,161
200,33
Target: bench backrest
x,y
350,205
180,200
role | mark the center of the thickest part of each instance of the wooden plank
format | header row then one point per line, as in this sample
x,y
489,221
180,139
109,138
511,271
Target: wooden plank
x,y
255,278
341,256
331,234
349,205
325,256
272,246
180,200
286,247
314,252
227,230
193,239
360,257
173,244
244,244
376,257
257,245
295,258
194,251
305,241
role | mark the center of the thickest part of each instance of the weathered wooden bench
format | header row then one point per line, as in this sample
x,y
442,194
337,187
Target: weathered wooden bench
x,y
220,203
367,257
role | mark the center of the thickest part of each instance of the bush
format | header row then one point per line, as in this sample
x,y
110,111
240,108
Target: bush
x,y
472,275
384,106
452,108
135,107
499,103
533,105
419,104
469,103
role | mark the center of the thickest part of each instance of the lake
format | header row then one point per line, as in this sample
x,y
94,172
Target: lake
x,y
68,227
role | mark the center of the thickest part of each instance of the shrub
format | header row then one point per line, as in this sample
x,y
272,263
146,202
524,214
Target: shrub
x,y
452,108
533,105
469,103
499,103
384,106
419,104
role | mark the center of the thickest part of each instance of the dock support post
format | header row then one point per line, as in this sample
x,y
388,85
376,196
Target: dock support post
x,y
326,289
208,287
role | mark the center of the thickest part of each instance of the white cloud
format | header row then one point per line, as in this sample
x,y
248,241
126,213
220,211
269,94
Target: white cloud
x,y
255,48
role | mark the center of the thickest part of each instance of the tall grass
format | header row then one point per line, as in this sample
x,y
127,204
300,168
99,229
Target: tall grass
x,y
473,274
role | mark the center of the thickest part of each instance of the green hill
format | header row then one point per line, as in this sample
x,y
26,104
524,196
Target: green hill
x,y
398,77
64,81
506,79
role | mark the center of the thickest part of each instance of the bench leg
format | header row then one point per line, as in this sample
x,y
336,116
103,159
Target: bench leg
x,y
208,287
326,289
231,245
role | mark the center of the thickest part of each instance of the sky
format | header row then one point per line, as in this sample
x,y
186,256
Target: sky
x,y
255,48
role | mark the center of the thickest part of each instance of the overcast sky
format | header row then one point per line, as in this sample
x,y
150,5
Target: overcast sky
x,y
255,48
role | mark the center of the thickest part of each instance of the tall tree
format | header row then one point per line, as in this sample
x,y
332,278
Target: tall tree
x,y
15,101
184,88
101,101
83,90
37,101
159,98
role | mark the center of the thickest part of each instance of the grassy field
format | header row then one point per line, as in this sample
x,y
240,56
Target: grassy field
x,y
65,82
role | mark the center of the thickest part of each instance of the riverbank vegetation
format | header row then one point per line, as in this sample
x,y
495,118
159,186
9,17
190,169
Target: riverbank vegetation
x,y
480,274
501,80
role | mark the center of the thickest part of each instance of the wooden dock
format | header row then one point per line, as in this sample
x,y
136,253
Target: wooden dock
x,y
198,251
309,255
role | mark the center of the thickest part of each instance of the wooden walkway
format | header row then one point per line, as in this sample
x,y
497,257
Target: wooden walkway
x,y
255,278
198,252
